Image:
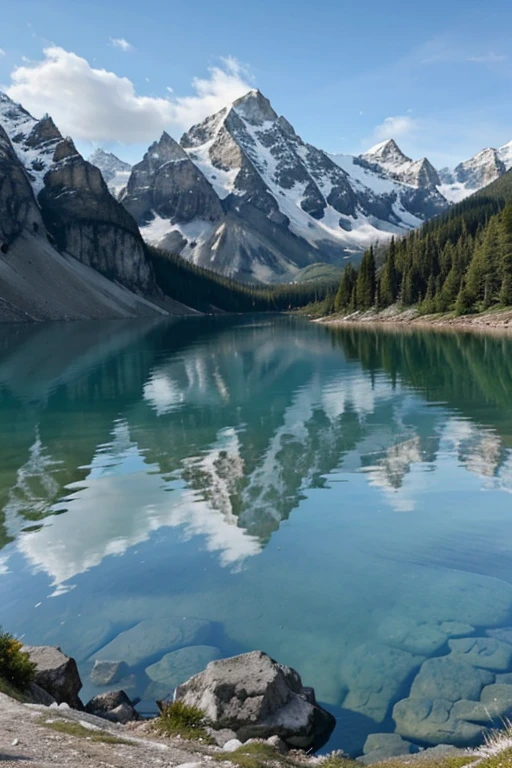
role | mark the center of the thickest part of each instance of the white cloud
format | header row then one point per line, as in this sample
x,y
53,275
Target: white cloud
x,y
488,58
120,42
2,52
396,127
106,107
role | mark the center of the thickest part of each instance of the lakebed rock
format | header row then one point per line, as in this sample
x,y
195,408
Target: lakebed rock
x,y
176,667
375,675
56,673
379,746
255,696
151,637
486,652
108,672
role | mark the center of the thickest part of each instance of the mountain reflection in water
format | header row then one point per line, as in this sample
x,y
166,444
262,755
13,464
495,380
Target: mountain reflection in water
x,y
304,490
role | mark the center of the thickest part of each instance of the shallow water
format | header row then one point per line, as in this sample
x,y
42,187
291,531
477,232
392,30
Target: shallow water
x,y
339,499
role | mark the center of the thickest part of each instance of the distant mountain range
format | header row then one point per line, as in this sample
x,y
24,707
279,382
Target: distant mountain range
x,y
241,194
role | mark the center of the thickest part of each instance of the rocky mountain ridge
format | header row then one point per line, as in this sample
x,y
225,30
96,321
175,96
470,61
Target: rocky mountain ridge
x,y
76,207
261,203
477,172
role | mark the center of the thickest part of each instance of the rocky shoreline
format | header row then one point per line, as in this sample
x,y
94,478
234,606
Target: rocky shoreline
x,y
494,321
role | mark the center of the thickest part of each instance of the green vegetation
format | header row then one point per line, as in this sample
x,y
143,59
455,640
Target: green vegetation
x,y
320,271
256,755
72,728
459,262
179,719
208,291
16,669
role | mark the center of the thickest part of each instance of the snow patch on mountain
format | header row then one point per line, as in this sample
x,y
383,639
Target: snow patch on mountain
x,y
115,171
34,147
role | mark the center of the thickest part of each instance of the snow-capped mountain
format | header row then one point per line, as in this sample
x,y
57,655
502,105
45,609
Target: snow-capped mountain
x,y
245,195
115,172
53,206
477,172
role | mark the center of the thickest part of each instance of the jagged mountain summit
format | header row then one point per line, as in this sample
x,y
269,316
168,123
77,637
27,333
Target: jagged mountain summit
x,y
115,171
477,172
68,249
243,194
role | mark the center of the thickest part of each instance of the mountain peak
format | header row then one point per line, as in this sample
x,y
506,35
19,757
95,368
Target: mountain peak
x,y
255,108
386,152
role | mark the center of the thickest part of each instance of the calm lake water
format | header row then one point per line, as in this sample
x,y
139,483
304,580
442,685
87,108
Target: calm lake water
x,y
175,492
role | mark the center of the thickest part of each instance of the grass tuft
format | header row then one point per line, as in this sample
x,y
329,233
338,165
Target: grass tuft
x,y
179,719
72,728
256,755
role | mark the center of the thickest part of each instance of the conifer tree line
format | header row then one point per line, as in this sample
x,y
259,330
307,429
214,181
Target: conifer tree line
x,y
460,261
209,291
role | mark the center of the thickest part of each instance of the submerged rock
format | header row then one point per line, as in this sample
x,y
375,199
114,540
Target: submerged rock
x,y
486,652
409,635
375,675
56,673
449,678
107,672
379,746
152,637
176,667
434,721
255,696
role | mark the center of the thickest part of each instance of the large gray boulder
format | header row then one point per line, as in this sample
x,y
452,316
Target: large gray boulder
x,y
56,673
257,697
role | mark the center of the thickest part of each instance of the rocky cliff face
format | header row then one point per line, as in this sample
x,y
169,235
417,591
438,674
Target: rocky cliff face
x,y
18,208
245,195
76,206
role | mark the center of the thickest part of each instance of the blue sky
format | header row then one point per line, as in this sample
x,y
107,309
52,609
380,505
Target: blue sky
x,y
437,77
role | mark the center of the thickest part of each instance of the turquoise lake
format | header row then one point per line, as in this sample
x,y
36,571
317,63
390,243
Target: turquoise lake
x,y
340,499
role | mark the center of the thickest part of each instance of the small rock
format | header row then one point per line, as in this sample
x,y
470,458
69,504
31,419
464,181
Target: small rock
x,y
114,706
15,743
231,745
222,736
278,744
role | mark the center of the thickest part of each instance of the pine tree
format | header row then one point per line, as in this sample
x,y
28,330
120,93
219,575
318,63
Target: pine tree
x,y
344,292
505,247
389,284
366,282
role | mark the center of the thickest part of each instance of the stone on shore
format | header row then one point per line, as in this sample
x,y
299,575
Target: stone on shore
x,y
257,697
114,706
56,673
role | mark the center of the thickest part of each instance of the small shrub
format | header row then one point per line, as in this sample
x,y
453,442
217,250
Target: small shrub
x,y
179,719
15,665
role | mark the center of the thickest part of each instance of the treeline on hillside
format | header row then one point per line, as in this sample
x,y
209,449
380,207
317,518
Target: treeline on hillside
x,y
207,291
461,261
